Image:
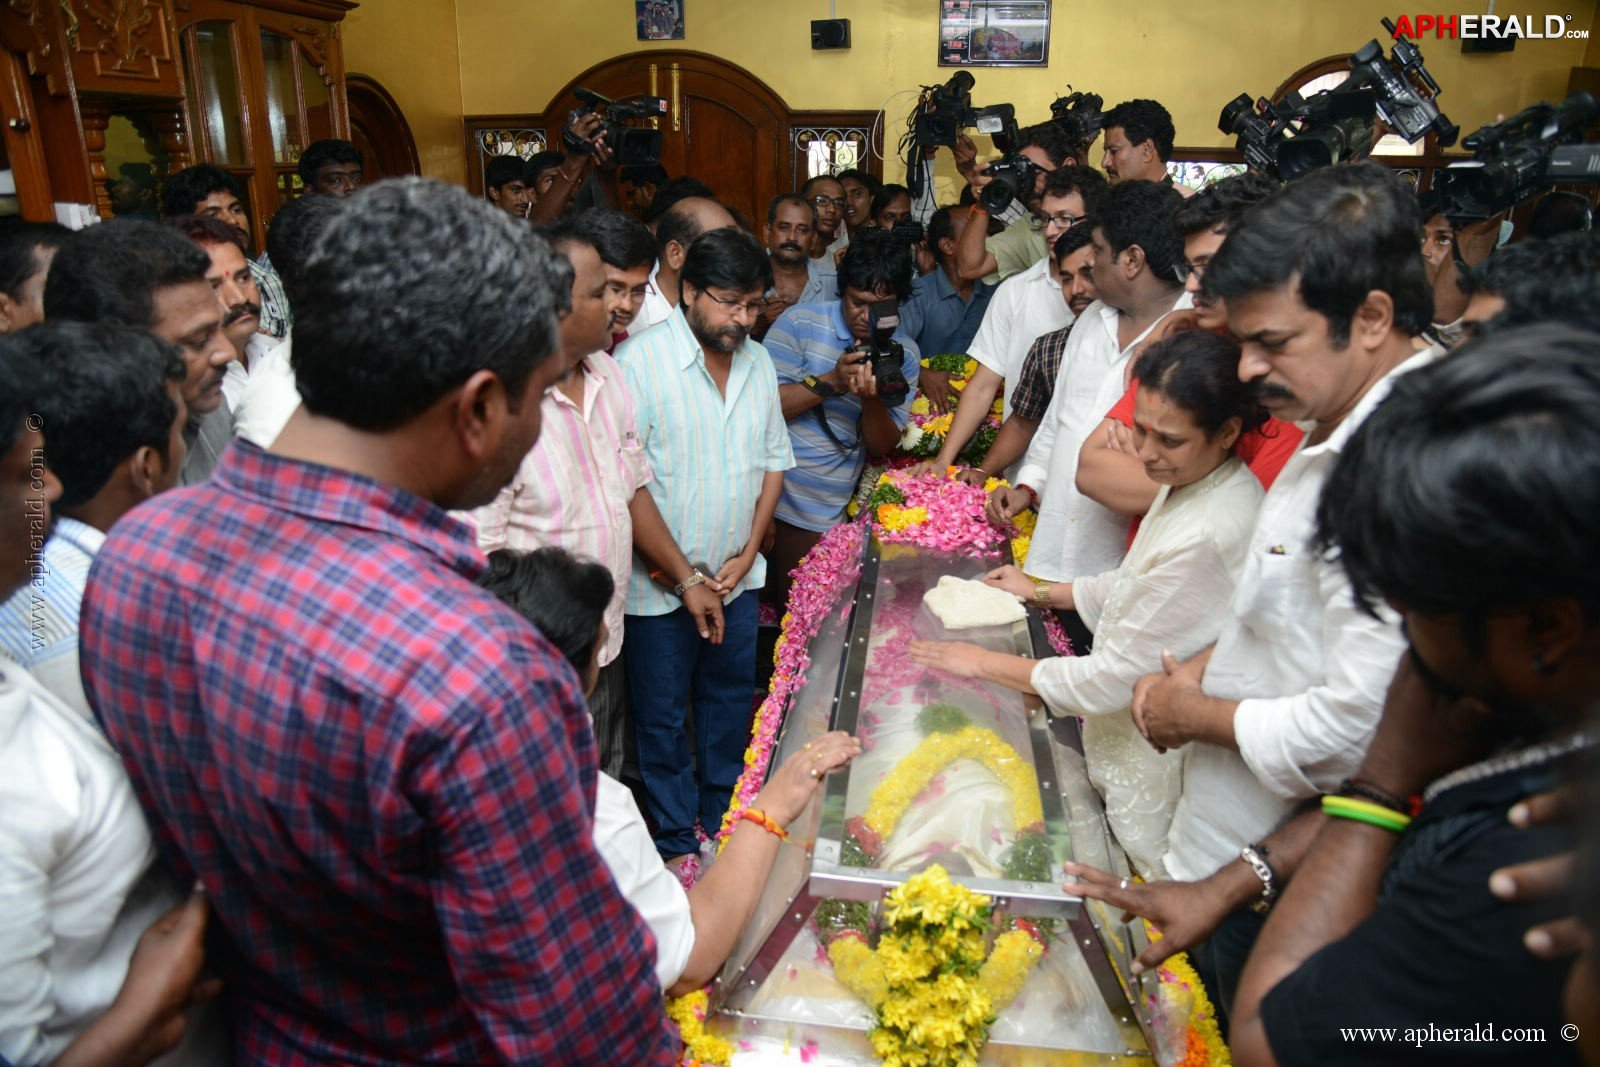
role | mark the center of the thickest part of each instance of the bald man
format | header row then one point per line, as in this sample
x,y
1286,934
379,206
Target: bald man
x,y
683,222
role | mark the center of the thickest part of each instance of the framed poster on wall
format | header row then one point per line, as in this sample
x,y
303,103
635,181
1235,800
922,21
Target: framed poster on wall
x,y
994,33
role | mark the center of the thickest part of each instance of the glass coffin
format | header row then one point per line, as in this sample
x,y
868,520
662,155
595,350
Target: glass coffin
x,y
956,772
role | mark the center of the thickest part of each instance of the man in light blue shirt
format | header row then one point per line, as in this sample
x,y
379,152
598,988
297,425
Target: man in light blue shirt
x,y
831,396
708,418
113,418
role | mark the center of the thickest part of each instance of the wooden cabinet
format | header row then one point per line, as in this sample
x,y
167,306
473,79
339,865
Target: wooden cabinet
x,y
90,87
263,83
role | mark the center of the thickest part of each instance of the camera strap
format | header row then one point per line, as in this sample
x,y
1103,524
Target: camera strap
x,y
822,420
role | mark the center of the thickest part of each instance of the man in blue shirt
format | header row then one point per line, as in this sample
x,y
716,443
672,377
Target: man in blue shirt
x,y
830,394
945,309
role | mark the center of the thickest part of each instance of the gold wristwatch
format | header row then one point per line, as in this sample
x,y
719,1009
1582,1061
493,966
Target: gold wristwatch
x,y
1041,592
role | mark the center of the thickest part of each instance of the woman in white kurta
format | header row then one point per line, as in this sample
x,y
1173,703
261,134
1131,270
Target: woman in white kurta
x,y
1170,593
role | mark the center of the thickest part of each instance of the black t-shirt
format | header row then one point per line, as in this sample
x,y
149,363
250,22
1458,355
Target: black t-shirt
x,y
1438,972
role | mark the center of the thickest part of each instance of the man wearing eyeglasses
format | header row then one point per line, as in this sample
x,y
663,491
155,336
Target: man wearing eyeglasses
x,y
709,421
826,195
1024,308
836,416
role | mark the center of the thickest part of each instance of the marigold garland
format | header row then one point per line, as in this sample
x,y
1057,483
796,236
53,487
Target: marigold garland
x,y
699,1045
926,429
933,989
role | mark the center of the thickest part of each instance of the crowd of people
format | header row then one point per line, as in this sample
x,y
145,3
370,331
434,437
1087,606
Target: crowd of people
x,y
381,607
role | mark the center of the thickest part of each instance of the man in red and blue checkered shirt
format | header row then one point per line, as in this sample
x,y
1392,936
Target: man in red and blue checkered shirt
x,y
384,777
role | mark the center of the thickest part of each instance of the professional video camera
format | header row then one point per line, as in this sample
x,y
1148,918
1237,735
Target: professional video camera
x,y
1299,134
1516,159
886,355
942,112
631,145
1079,117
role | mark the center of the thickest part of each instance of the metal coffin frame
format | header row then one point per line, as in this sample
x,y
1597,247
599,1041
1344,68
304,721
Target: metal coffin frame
x,y
736,987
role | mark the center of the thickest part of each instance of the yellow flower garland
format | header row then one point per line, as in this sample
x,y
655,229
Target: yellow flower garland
x,y
699,1045
930,1009
911,776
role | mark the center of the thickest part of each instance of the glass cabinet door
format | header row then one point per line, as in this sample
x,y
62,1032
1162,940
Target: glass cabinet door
x,y
211,59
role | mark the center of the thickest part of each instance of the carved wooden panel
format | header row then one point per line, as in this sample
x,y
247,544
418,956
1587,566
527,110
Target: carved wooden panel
x,y
126,47
28,30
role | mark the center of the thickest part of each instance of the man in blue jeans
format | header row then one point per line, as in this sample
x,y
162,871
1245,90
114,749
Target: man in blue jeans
x,y
707,412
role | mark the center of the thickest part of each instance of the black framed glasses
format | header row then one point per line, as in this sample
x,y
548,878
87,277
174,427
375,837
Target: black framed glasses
x,y
824,201
748,307
1065,221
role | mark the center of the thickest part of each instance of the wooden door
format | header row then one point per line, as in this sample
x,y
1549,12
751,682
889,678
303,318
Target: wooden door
x,y
723,126
378,127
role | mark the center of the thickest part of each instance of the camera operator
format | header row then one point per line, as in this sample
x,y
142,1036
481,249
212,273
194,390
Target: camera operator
x,y
1022,243
891,205
831,376
1138,143
796,277
1450,250
552,200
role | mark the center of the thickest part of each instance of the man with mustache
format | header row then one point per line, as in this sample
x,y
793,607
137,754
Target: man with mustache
x,y
712,431
1325,289
148,275
209,190
231,279
575,487
796,277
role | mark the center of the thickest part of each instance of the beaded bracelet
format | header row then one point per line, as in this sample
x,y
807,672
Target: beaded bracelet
x,y
763,820
1365,811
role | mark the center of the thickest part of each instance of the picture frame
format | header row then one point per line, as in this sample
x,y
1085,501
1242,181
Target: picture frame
x,y
658,20
994,33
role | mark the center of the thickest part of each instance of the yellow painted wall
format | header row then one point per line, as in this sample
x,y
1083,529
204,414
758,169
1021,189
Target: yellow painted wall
x,y
410,46
1193,56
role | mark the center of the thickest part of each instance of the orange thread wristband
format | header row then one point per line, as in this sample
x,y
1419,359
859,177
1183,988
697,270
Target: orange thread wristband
x,y
763,820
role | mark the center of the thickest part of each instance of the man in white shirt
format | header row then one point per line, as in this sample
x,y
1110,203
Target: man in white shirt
x,y
78,868
1024,308
270,395
1137,253
681,224
231,279
1326,290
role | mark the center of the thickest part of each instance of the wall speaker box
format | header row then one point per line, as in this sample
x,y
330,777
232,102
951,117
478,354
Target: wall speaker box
x,y
830,33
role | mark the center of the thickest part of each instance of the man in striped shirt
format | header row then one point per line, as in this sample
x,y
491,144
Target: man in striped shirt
x,y
830,395
574,488
706,404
